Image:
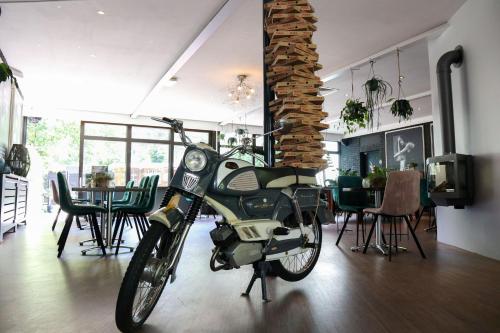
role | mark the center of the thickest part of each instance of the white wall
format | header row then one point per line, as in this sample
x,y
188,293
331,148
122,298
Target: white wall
x,y
476,88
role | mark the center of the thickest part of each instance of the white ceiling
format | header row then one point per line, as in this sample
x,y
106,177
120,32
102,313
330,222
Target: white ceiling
x,y
135,42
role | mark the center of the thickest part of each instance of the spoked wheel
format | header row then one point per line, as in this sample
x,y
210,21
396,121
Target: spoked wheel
x,y
145,279
297,267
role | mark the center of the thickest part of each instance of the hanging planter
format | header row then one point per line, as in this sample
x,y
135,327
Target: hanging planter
x,y
376,91
401,107
354,114
5,72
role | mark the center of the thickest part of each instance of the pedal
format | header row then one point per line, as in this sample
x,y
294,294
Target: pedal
x,y
281,231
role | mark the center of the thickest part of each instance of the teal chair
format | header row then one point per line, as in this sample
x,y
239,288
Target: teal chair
x,y
75,210
426,204
352,203
127,196
137,212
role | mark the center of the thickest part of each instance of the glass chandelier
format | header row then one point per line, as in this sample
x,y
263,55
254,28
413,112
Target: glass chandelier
x,y
242,92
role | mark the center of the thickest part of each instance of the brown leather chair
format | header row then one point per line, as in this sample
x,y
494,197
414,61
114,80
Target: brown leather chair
x,y
401,199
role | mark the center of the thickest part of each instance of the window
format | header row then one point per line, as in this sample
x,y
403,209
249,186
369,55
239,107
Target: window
x,y
332,156
105,153
178,155
195,136
133,151
150,133
105,130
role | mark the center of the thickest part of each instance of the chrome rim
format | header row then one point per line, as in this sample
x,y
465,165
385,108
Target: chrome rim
x,y
301,262
150,286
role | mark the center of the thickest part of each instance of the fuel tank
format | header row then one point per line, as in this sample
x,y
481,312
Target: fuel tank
x,y
235,177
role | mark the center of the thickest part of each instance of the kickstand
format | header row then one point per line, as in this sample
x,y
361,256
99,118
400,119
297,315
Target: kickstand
x,y
260,271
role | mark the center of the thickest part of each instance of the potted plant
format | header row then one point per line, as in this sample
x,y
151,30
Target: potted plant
x,y
5,72
376,91
101,179
377,177
401,107
354,115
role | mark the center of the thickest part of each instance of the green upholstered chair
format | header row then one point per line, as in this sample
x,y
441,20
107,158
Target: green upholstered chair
x,y
127,196
352,203
74,210
426,204
137,212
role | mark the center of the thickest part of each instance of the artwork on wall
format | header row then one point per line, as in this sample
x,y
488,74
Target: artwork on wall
x,y
404,148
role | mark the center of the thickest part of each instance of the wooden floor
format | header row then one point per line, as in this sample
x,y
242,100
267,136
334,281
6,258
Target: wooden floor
x,y
451,291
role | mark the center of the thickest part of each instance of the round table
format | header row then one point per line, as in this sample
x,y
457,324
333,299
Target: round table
x,y
108,193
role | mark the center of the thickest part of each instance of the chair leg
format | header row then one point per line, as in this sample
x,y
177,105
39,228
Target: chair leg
x,y
400,231
78,224
414,236
64,235
137,229
375,217
98,234
357,229
89,220
343,228
419,217
118,217
363,228
391,221
55,220
120,238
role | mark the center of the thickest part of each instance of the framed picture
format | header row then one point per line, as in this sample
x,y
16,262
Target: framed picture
x,y
405,148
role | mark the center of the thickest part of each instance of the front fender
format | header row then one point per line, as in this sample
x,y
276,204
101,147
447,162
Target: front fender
x,y
170,215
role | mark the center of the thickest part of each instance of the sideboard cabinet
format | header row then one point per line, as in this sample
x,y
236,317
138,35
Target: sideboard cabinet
x,y
13,202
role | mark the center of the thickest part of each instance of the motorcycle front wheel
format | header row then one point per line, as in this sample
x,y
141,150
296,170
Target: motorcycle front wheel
x,y
144,280
297,267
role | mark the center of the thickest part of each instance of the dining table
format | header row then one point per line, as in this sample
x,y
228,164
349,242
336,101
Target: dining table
x,y
108,192
378,192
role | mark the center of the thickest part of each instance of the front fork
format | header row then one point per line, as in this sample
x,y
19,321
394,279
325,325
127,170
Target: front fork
x,y
186,224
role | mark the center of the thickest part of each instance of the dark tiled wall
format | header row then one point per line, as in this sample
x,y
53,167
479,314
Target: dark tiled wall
x,y
351,148
349,154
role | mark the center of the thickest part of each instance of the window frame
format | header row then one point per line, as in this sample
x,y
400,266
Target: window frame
x,y
128,139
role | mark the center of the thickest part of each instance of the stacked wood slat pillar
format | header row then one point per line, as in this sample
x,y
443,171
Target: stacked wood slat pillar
x,y
291,62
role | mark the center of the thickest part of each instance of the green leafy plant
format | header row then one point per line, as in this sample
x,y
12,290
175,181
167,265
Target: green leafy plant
x,y
401,107
378,176
376,91
354,115
5,72
347,172
101,179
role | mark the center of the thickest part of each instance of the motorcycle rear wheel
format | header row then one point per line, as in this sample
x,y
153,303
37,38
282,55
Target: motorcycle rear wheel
x,y
297,267
139,291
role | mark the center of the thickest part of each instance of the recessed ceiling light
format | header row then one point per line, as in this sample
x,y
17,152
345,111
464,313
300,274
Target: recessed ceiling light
x,y
171,82
100,12
59,7
346,95
401,77
93,56
419,108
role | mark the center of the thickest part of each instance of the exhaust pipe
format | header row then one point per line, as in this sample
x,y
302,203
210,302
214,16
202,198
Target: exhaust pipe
x,y
443,70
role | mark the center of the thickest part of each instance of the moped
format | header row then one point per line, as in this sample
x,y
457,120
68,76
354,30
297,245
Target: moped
x,y
270,218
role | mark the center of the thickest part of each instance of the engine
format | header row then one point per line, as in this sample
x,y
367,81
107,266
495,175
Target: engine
x,y
230,252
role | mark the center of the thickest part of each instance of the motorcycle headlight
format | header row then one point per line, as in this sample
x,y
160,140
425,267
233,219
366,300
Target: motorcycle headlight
x,y
195,160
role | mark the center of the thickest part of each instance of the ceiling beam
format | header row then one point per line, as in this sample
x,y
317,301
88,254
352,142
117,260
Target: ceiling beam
x,y
224,12
428,34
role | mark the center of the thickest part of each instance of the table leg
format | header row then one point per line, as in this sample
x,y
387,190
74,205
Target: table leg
x,y
378,227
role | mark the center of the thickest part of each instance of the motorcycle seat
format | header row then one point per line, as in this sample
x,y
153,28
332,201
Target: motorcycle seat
x,y
284,177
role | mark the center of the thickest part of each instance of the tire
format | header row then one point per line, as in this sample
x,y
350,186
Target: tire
x,y
124,318
282,270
